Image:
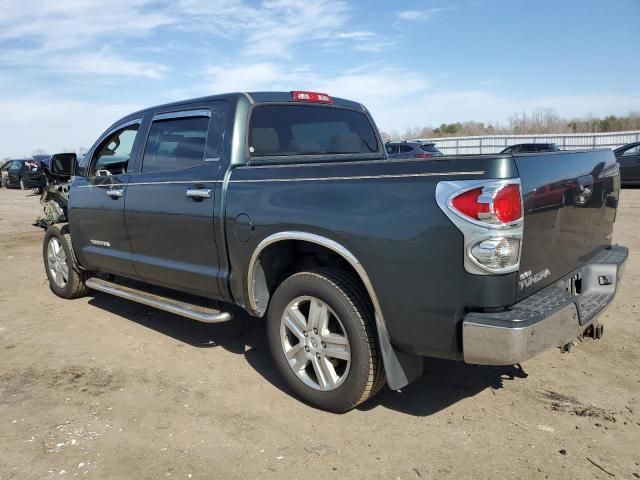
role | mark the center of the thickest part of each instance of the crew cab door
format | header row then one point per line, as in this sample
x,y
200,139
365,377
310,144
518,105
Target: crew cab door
x,y
170,201
96,202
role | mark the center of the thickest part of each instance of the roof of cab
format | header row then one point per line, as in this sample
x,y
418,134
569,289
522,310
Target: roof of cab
x,y
253,97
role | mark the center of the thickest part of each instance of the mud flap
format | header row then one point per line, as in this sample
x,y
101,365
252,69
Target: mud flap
x,y
400,368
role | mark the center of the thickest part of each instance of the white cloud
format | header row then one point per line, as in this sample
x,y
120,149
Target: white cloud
x,y
53,125
432,109
70,36
272,28
418,15
366,83
106,63
357,35
58,25
56,35
400,98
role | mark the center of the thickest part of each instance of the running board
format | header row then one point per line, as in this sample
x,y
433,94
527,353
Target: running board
x,y
195,312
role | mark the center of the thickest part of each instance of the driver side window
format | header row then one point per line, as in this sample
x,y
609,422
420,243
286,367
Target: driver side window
x,y
113,154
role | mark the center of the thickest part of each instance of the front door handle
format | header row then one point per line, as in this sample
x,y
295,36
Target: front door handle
x,y
199,193
115,192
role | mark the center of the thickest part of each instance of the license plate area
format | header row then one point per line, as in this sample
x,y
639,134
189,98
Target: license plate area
x,y
576,284
573,284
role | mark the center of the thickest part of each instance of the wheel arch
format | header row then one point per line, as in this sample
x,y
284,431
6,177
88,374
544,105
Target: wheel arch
x,y
255,278
400,368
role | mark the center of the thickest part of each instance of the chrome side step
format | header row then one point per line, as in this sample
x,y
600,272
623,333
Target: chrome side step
x,y
195,312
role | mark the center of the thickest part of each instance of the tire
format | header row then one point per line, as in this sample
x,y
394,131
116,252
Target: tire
x,y
350,315
60,261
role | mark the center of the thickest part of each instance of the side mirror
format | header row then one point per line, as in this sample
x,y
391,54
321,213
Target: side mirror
x,y
64,164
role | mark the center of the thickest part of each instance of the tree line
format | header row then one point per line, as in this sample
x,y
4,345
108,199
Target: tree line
x,y
541,120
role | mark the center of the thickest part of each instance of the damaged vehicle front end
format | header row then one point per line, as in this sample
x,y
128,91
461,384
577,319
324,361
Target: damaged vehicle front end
x,y
55,195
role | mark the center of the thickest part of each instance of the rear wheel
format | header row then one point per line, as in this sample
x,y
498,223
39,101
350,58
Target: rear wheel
x,y
66,279
321,335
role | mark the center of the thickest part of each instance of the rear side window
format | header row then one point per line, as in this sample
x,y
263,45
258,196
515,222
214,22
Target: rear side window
x,y
405,148
429,148
175,144
293,130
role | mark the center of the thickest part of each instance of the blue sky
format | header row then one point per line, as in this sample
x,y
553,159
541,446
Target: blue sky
x,y
71,67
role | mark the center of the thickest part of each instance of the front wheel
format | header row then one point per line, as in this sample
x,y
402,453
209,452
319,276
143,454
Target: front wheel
x,y
321,335
66,278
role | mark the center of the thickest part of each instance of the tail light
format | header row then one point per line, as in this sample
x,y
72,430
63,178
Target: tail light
x,y
490,216
312,97
423,155
496,253
493,204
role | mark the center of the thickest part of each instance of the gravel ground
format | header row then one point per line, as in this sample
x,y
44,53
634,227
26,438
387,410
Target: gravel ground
x,y
102,388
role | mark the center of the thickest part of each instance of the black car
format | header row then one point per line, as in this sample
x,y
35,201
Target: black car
x,y
412,150
531,148
629,159
24,174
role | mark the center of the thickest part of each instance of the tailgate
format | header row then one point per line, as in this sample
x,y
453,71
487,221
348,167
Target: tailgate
x,y
570,201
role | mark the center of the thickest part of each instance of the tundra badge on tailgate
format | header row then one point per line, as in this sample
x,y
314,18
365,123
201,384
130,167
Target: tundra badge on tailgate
x,y
527,278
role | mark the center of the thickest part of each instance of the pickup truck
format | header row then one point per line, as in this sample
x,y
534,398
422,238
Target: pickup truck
x,y
286,205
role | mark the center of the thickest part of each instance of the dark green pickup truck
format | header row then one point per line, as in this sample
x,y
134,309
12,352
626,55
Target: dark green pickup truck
x,y
286,205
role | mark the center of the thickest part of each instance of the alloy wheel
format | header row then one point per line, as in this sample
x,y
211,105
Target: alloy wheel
x,y
315,343
57,263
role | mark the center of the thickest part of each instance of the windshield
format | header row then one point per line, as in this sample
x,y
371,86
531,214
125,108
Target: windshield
x,y
293,130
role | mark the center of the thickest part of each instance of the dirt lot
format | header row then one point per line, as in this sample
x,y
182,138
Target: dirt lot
x,y
102,388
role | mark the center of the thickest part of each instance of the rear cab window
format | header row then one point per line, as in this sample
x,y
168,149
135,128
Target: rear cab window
x,y
280,131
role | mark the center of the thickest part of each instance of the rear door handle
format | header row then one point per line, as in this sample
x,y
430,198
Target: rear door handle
x,y
199,193
115,192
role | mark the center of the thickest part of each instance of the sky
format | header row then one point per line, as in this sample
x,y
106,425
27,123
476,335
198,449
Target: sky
x,y
70,68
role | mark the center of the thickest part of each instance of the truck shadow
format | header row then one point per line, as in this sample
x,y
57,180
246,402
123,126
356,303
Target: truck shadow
x,y
442,384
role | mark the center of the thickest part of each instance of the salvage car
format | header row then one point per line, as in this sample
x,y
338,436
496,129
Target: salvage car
x,y
412,149
4,173
629,159
24,174
286,205
531,148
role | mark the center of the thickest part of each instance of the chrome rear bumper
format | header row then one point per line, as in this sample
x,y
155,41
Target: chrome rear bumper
x,y
549,318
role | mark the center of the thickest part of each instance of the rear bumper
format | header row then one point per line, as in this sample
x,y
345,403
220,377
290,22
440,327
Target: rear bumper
x,y
552,317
